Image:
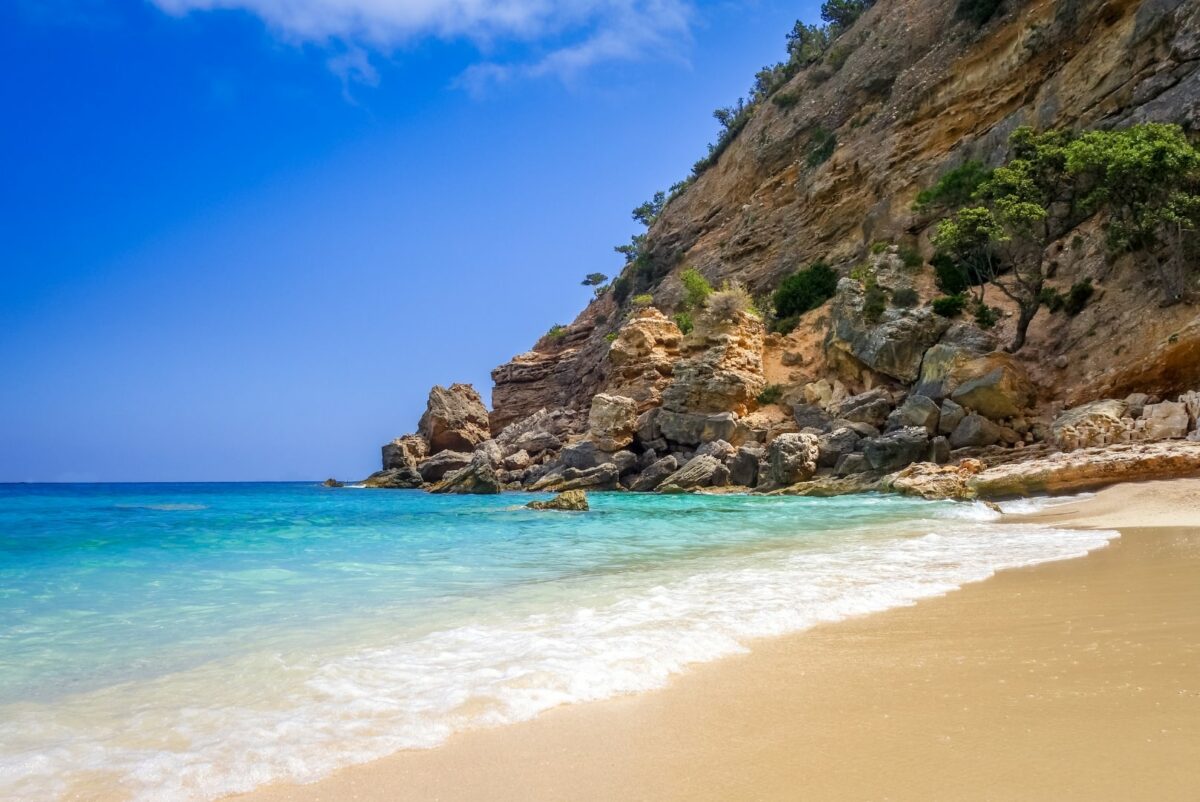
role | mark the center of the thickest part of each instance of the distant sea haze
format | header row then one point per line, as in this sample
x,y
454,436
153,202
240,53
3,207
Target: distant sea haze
x,y
182,642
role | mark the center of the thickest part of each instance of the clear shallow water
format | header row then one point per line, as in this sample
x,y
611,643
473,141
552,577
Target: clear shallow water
x,y
180,642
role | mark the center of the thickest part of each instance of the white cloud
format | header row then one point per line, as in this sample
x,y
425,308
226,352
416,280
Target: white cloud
x,y
567,36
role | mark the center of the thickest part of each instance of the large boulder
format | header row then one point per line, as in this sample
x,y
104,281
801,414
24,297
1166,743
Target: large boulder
x,y
975,431
405,452
612,421
744,467
455,419
811,416
641,360
582,455
917,410
894,346
896,449
478,478
442,463
395,479
654,474
722,373
942,363
792,458
1165,421
717,448
544,430
699,471
871,407
693,429
566,501
950,416
833,445
994,385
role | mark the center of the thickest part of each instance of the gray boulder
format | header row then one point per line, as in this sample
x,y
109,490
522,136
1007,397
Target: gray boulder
x,y
654,474
833,445
939,450
700,471
478,478
811,416
719,449
871,407
974,430
951,415
744,467
792,458
436,467
692,429
917,410
602,477
582,455
850,464
626,462
895,450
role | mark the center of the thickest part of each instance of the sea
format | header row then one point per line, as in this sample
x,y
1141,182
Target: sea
x,y
188,641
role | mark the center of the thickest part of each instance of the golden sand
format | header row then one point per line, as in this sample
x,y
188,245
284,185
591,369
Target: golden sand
x,y
1075,680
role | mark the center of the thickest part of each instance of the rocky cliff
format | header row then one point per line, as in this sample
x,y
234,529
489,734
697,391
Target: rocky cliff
x,y
917,94
826,167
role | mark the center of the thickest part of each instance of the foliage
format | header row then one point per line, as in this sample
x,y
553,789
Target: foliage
x,y
806,44
838,55
611,336
950,275
955,188
910,257
950,305
771,394
785,325
874,303
594,279
977,12
643,300
822,144
1081,292
785,100
986,316
1147,178
728,303
557,332
696,288
649,211
879,246
905,298
841,14
804,290
1052,299
684,321
621,289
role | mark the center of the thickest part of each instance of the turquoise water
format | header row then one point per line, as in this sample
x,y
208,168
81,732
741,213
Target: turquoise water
x,y
186,641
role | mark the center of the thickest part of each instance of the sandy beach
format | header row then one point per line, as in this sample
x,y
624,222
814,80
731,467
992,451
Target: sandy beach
x,y
1078,679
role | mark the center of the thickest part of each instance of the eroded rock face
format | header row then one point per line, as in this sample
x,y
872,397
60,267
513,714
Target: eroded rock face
x,y
612,421
405,452
641,360
723,371
1088,469
455,419
894,346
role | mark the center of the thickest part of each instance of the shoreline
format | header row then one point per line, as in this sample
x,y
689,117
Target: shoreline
x,y
1067,679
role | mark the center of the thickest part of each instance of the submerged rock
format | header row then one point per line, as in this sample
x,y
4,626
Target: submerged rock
x,y
332,483
567,501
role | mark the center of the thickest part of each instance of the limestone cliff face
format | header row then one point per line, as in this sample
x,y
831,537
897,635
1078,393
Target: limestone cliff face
x,y
918,94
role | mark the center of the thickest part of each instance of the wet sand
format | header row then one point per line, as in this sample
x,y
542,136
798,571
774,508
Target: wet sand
x,y
1074,680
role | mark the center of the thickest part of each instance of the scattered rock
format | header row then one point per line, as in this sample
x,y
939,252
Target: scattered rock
x,y
567,501
332,483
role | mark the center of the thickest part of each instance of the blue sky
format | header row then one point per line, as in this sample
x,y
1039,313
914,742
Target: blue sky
x,y
242,238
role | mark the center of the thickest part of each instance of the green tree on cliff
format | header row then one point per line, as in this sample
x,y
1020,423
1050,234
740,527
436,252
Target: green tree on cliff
x,y
1147,178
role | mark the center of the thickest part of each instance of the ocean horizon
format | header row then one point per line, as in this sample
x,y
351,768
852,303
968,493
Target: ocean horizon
x,y
184,641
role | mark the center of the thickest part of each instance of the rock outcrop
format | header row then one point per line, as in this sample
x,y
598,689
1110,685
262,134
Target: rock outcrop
x,y
567,501
477,478
612,421
723,372
455,419
641,360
